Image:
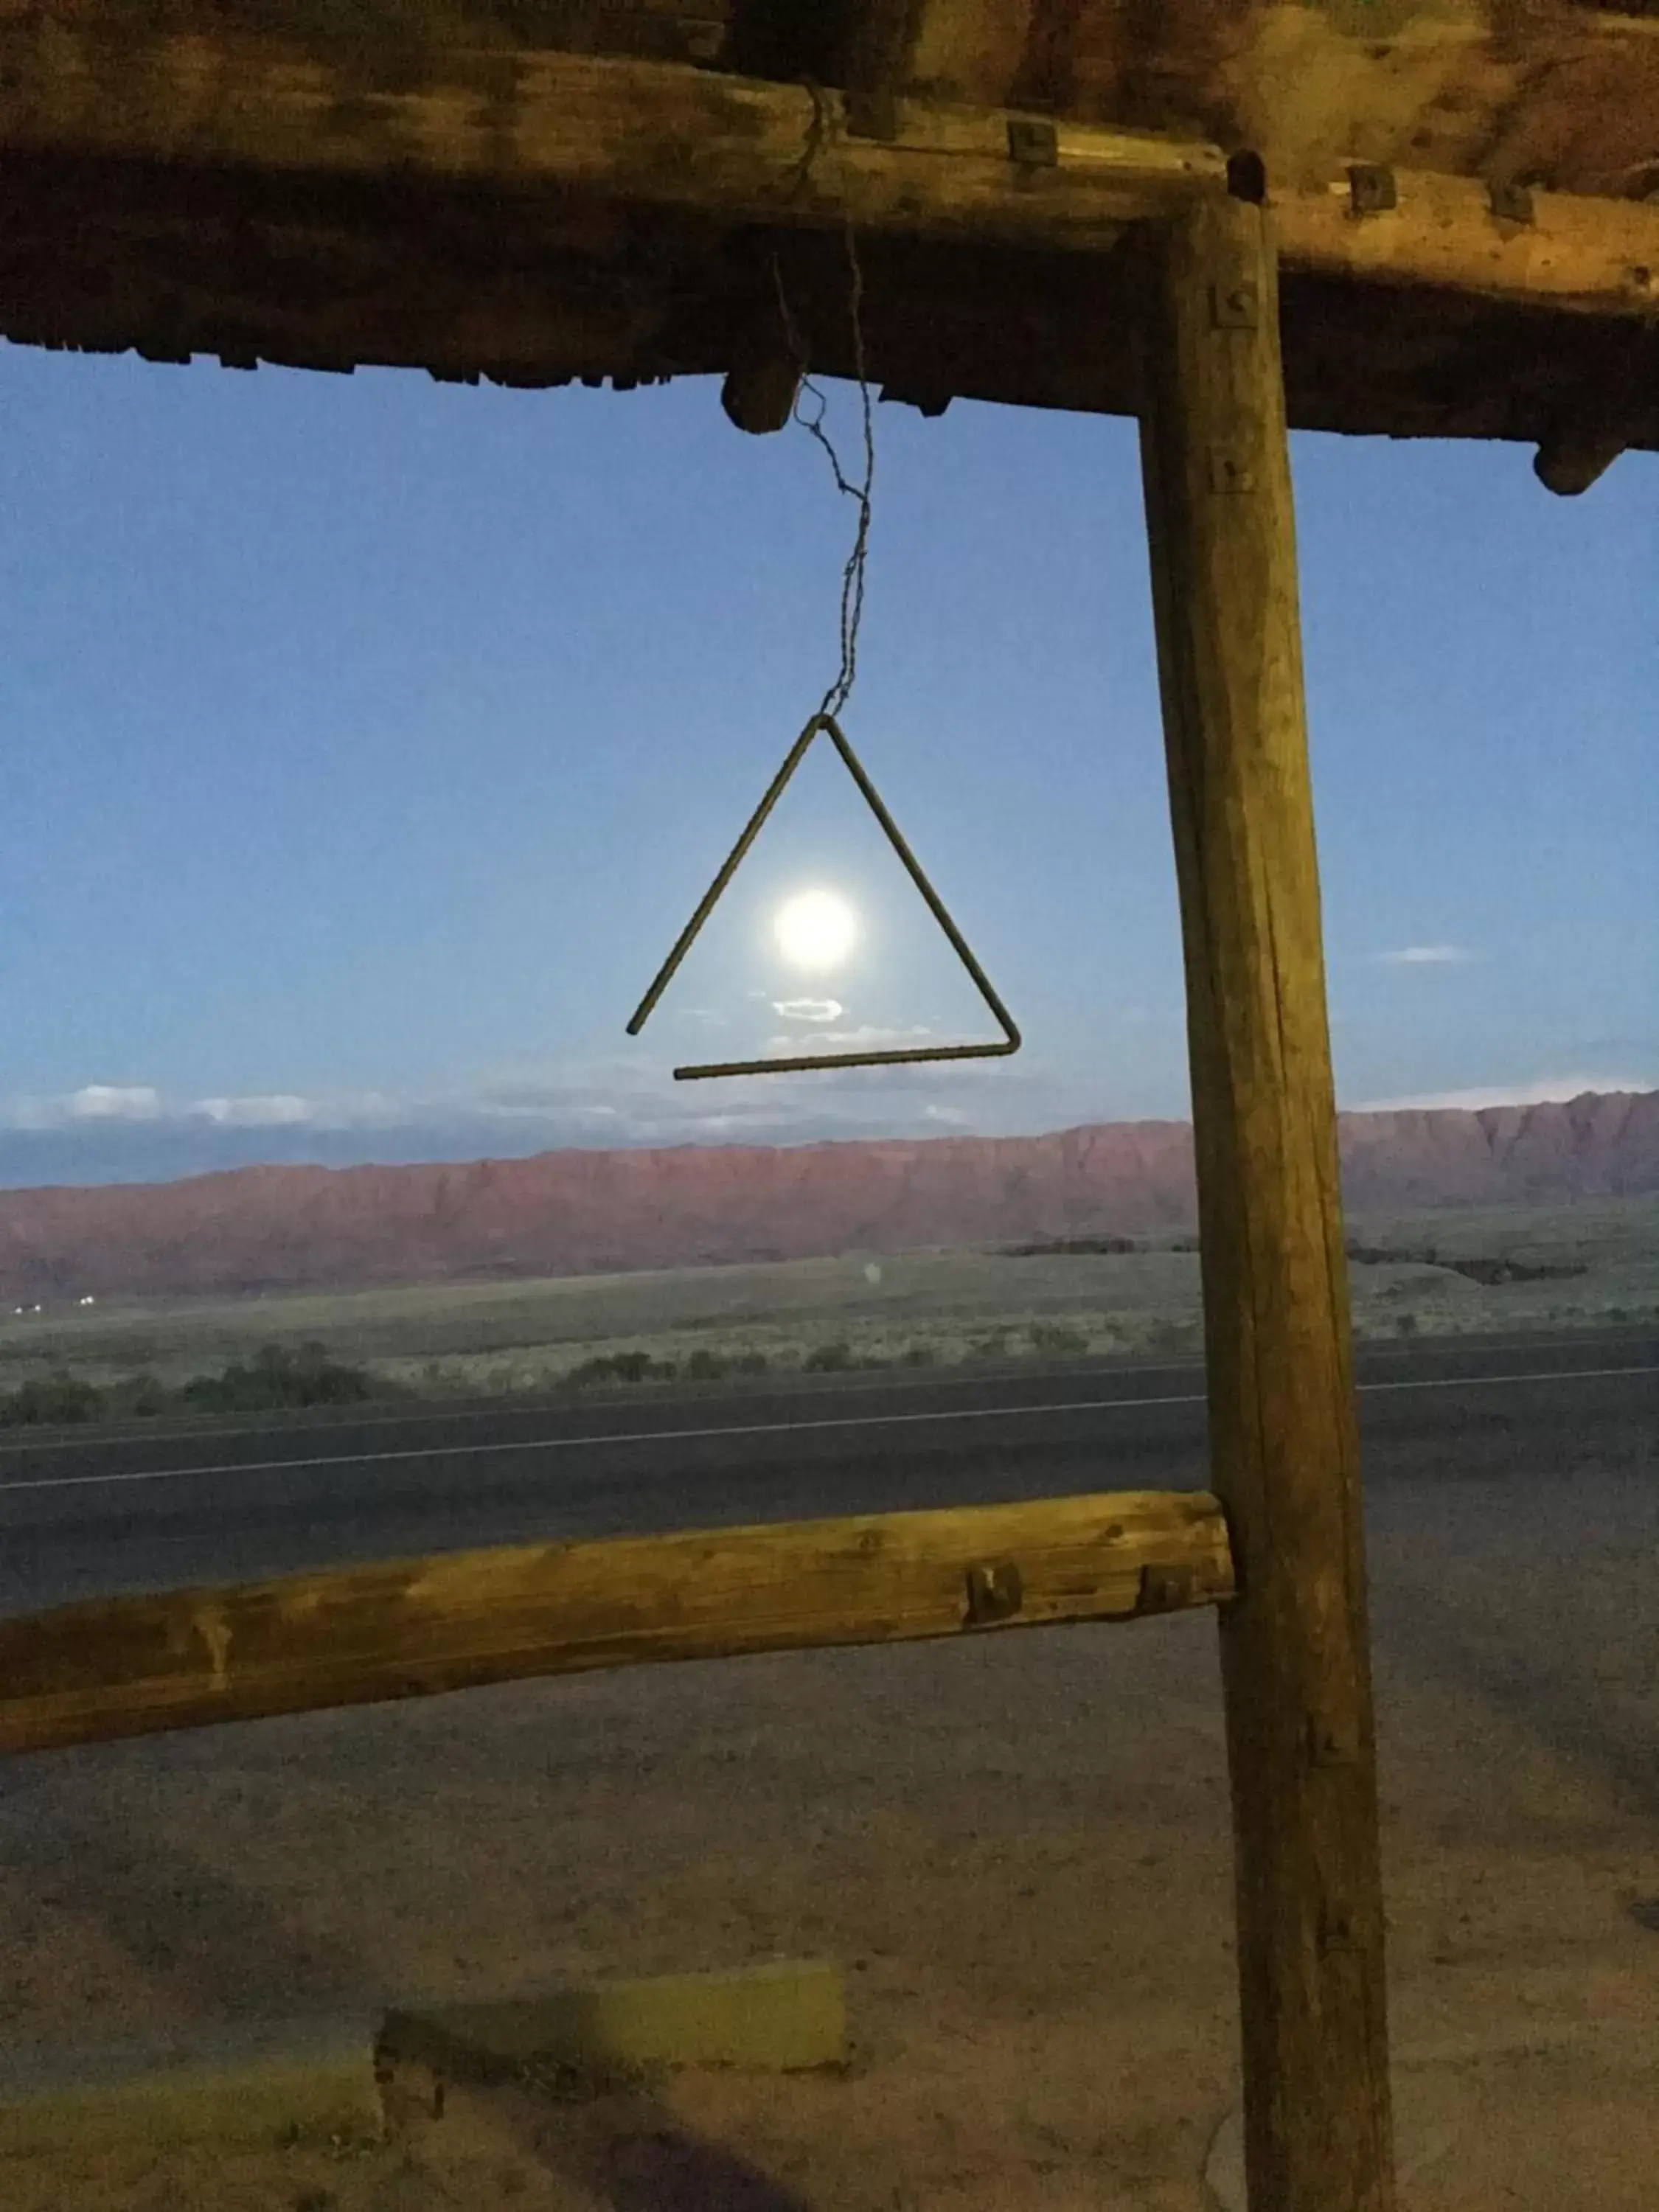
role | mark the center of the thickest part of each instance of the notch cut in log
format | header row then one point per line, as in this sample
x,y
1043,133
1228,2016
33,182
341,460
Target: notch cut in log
x,y
1295,1647
96,1670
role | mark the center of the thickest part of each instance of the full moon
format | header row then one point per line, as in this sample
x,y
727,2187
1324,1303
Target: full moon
x,y
816,930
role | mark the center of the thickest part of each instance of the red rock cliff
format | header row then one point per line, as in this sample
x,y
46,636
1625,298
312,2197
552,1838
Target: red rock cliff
x,y
578,1213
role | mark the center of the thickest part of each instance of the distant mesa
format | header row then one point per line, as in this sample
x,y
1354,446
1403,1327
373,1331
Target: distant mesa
x,y
583,1213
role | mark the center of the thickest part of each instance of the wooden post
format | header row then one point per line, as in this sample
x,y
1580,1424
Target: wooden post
x,y
1294,1644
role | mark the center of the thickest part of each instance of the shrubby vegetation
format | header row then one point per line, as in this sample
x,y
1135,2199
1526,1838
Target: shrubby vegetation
x,y
828,1359
623,1367
1056,1340
49,1400
1061,1248
280,1378
1490,1272
703,1365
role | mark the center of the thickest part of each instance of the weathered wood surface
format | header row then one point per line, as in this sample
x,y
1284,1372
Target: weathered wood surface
x,y
132,1666
1294,1649
1594,256
1553,91
325,277
875,61
743,151
654,134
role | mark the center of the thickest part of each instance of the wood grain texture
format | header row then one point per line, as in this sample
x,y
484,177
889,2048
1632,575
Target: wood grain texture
x,y
1556,91
94,1671
1294,1649
1596,255
651,133
745,151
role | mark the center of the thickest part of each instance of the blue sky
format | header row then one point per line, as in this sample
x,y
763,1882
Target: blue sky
x,y
367,741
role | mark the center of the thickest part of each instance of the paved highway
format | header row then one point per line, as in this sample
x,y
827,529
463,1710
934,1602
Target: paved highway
x,y
91,1514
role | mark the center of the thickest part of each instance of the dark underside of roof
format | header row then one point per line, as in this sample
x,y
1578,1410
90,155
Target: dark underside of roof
x,y
541,290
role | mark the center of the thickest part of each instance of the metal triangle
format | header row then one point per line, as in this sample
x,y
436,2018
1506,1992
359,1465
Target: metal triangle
x,y
904,1058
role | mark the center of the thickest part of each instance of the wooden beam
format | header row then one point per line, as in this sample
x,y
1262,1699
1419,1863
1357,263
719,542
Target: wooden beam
x,y
764,379
1583,441
268,269
645,132
1597,256
743,151
1572,459
1295,1653
90,1672
971,51
875,64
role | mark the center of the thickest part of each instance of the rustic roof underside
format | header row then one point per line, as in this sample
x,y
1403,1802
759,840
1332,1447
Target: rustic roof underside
x,y
112,246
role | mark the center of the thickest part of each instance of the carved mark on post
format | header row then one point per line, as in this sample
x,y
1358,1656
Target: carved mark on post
x,y
1234,306
994,1593
1331,1742
215,1631
1164,1589
1372,189
1230,471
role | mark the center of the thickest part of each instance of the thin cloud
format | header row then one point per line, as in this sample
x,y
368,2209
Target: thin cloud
x,y
1425,955
1543,1090
280,1110
809,1010
869,1033
868,1036
532,1106
113,1102
136,1134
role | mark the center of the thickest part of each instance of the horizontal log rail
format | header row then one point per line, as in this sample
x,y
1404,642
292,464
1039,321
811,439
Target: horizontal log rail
x,y
652,132
740,151
103,1668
